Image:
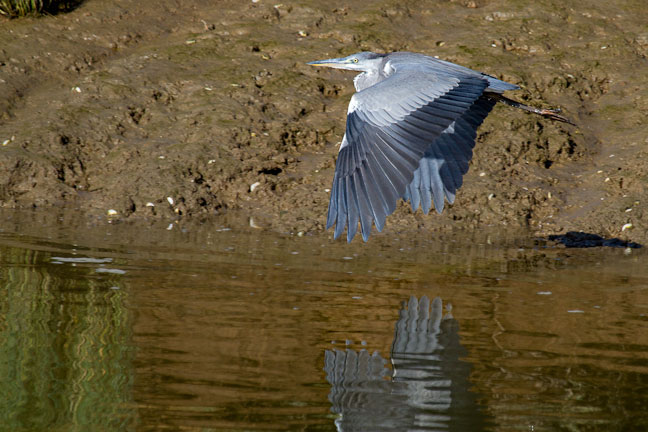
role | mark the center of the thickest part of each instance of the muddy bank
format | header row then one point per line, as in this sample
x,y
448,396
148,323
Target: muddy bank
x,y
155,110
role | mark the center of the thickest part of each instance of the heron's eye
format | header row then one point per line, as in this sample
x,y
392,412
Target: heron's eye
x,y
355,60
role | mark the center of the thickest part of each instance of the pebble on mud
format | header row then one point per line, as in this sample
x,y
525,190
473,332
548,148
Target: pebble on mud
x,y
500,16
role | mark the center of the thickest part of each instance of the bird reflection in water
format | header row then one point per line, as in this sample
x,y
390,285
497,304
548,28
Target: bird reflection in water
x,y
427,388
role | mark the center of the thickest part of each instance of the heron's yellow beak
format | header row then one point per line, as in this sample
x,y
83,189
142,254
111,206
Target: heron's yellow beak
x,y
338,63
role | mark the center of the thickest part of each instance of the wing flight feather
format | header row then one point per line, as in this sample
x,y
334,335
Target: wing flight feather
x,y
406,136
440,172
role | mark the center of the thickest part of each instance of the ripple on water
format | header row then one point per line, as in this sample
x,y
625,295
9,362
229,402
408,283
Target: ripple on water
x,y
188,334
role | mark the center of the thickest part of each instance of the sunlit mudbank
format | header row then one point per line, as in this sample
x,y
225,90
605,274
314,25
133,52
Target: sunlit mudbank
x,y
427,388
159,109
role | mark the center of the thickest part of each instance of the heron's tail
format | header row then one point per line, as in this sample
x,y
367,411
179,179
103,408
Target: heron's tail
x,y
498,86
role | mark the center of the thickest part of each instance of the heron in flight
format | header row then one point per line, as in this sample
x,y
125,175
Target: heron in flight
x,y
410,131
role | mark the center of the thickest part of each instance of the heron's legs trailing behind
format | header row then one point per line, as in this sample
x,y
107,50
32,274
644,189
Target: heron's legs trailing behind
x,y
549,113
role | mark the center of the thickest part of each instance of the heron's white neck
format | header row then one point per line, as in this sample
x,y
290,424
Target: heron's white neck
x,y
366,79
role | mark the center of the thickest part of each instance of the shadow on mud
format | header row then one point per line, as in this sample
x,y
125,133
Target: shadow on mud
x,y
579,239
20,8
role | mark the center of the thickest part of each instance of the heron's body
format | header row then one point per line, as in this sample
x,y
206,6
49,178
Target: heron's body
x,y
427,66
411,128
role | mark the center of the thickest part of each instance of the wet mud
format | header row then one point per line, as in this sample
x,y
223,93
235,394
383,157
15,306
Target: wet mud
x,y
141,109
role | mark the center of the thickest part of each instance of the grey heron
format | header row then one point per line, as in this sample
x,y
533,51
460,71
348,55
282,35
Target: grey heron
x,y
410,133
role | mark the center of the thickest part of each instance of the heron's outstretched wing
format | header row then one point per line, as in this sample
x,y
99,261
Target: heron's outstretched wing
x,y
444,163
390,126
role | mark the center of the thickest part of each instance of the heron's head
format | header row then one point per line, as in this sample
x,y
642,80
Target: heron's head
x,y
364,61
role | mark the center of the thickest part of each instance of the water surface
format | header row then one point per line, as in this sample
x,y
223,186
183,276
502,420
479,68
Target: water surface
x,y
214,327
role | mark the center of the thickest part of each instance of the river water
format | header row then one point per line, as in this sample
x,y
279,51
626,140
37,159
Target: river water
x,y
217,327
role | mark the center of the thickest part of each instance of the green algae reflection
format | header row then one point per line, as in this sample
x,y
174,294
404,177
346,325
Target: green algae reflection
x,y
65,347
